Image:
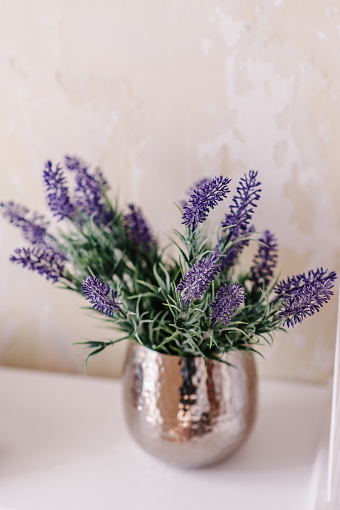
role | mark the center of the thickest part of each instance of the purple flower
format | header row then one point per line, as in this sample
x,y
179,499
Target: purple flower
x,y
137,228
33,228
265,260
101,295
291,286
74,163
198,279
206,196
228,299
57,196
304,295
244,201
241,211
44,260
204,180
88,193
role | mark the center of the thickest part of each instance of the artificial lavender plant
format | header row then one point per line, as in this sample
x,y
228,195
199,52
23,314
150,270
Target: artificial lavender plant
x,y
199,303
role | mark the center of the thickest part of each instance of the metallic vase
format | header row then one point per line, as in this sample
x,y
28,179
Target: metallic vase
x,y
186,412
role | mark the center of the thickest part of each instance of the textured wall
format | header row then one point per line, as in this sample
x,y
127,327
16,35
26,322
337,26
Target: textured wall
x,y
160,94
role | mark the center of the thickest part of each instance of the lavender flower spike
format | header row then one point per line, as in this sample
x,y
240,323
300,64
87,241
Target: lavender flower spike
x,y
204,180
206,196
228,299
57,196
293,285
88,194
101,295
198,279
241,211
33,228
46,261
137,228
244,201
304,295
265,260
74,163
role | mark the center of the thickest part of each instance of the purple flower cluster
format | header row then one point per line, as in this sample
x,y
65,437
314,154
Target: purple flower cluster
x,y
88,193
137,228
198,279
241,211
286,288
87,199
33,227
101,295
244,201
44,260
198,184
57,192
226,303
303,295
265,260
73,163
206,196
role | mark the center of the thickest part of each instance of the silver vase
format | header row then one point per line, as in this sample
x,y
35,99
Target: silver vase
x,y
186,412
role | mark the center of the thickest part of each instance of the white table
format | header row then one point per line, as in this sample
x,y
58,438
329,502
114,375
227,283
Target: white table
x,y
64,445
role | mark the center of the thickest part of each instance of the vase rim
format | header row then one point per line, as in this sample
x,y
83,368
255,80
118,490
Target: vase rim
x,y
134,343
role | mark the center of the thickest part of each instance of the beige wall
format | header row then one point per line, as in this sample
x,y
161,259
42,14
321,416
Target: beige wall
x,y
159,94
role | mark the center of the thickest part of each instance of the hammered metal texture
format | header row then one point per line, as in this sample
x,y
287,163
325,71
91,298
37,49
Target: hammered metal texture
x,y
186,412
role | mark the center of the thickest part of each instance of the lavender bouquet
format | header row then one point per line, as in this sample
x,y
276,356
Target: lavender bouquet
x,y
199,303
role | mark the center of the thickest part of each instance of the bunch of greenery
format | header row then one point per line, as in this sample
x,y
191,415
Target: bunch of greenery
x,y
198,303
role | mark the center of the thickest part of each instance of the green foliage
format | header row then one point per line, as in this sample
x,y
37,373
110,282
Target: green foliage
x,y
151,310
199,303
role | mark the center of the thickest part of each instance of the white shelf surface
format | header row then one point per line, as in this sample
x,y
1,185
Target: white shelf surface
x,y
64,446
